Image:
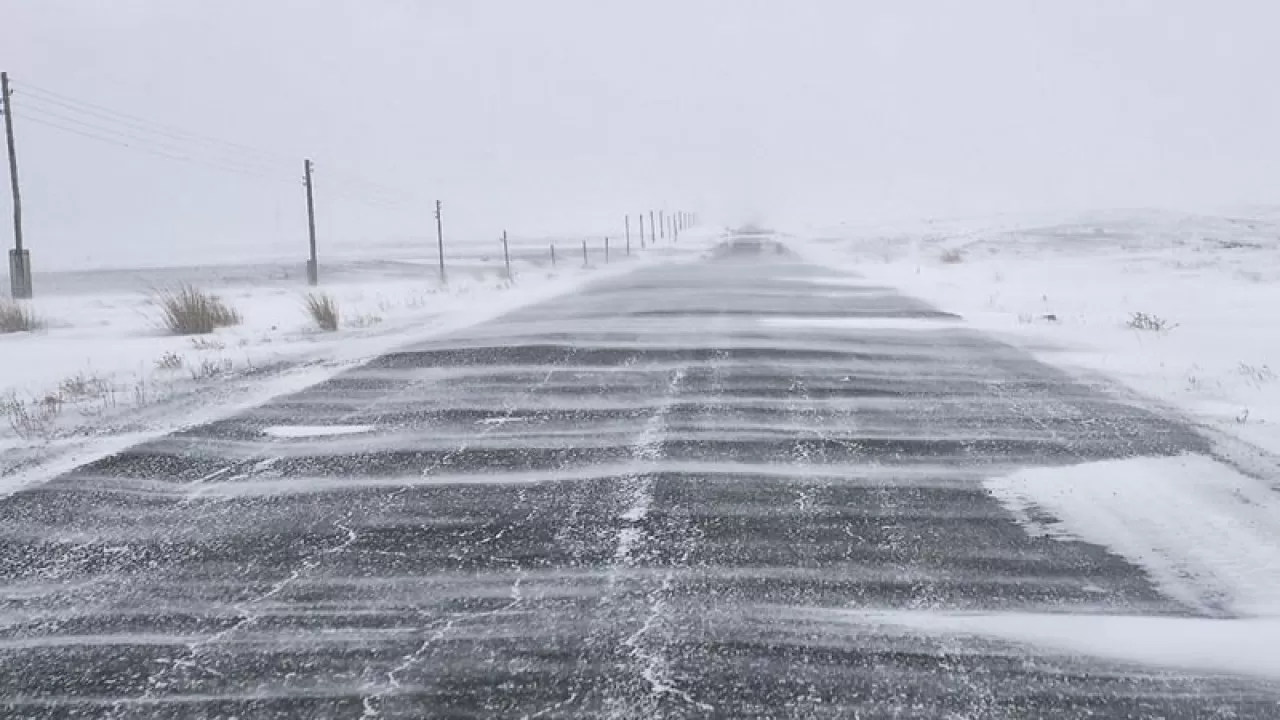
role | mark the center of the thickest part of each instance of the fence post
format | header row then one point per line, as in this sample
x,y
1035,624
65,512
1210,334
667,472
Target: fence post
x,y
506,255
440,241
313,264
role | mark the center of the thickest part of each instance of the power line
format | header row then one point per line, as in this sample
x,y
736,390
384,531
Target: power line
x,y
144,148
106,113
97,122
140,134
131,139
138,124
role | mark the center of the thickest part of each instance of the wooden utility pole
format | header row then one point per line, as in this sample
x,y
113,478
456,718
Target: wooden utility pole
x,y
440,241
19,258
642,245
313,265
506,254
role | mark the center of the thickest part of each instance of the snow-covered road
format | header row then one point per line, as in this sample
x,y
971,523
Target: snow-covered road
x,y
744,487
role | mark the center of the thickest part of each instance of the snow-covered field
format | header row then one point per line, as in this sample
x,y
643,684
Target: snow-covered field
x,y
104,373
1175,312
1068,289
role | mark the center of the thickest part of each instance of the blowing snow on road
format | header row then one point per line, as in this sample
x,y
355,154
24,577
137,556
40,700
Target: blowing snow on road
x,y
743,486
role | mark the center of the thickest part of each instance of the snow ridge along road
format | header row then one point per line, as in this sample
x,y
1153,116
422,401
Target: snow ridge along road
x,y
679,493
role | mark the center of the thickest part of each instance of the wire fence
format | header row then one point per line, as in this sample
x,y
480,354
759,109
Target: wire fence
x,y
418,247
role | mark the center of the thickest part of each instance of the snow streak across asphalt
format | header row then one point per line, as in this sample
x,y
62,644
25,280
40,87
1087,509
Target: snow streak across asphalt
x,y
660,497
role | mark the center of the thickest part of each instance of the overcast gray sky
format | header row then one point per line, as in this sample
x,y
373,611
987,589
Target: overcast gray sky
x,y
561,115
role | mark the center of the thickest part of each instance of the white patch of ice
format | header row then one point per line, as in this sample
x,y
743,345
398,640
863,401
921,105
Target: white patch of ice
x,y
1242,647
637,512
499,421
310,431
861,323
1208,535
833,281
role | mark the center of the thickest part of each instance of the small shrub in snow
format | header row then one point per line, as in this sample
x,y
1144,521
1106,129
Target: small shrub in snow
x,y
17,317
34,419
323,309
192,311
82,386
952,257
170,361
1146,321
1257,374
210,368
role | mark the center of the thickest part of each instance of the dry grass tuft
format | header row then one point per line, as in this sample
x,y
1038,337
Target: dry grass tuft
x,y
323,309
192,311
18,317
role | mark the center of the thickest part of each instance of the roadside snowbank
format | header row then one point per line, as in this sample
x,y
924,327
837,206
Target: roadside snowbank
x,y
1206,534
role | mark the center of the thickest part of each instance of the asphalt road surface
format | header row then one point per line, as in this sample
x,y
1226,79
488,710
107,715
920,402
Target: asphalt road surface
x,y
681,493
